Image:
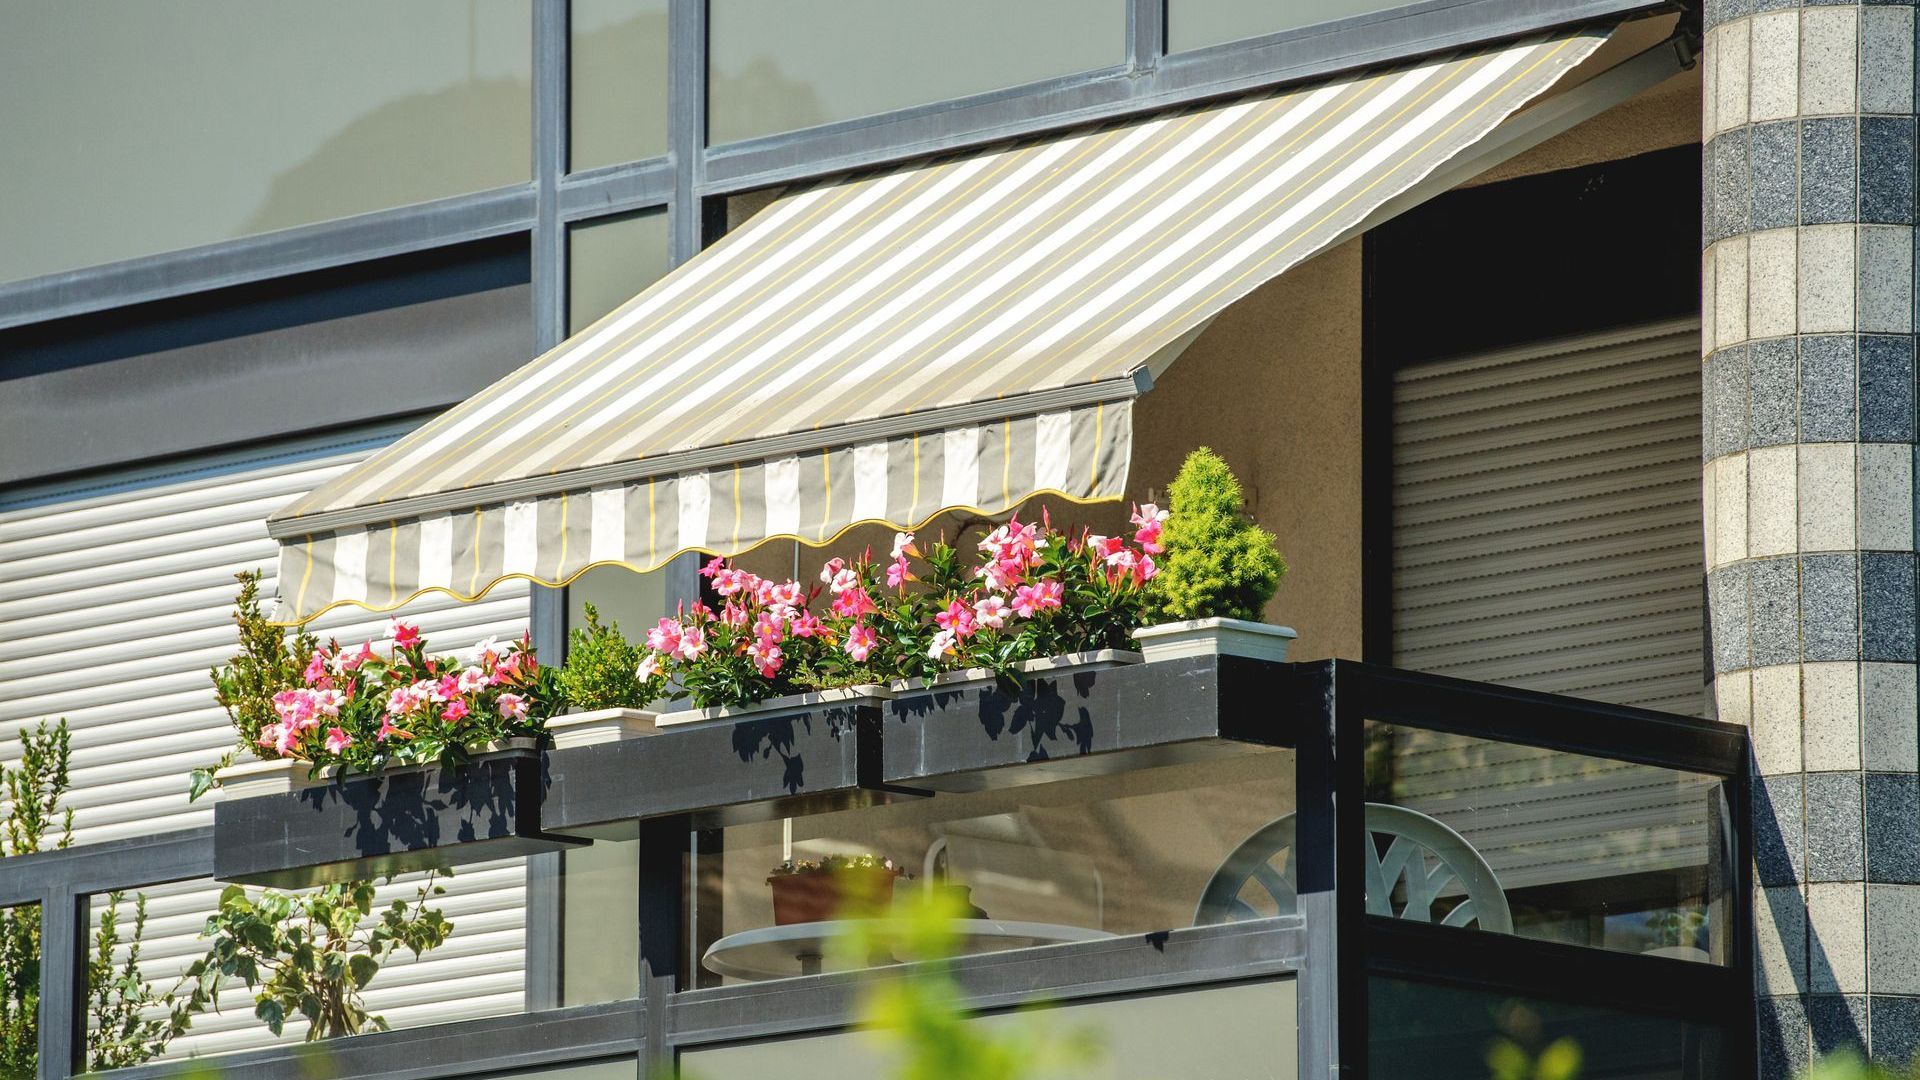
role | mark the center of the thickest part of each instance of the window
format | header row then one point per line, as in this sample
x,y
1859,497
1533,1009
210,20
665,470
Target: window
x,y
161,127
611,259
1053,863
778,65
618,68
1192,24
1241,1031
1551,845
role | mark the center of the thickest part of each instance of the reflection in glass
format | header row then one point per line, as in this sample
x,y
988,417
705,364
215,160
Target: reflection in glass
x,y
618,72
1420,1031
1071,860
609,260
599,923
1245,1031
778,65
1552,845
164,126
1192,24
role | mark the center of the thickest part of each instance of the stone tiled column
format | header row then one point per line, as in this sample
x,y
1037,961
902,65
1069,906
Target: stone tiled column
x,y
1808,305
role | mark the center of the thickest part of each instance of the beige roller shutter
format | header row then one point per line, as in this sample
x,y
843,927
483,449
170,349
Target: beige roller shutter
x,y
1546,519
115,599
1546,508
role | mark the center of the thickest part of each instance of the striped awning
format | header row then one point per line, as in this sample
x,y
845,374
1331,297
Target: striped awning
x,y
962,334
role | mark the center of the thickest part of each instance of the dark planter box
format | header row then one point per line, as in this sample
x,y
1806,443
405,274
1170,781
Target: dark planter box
x,y
720,773
1088,723
830,758
373,826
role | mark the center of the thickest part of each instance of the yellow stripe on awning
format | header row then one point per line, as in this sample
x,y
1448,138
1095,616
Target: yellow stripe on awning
x,y
962,334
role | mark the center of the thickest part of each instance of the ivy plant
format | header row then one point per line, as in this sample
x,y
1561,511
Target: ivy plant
x,y
312,954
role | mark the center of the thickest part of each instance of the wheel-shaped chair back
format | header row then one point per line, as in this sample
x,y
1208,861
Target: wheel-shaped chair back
x,y
1412,861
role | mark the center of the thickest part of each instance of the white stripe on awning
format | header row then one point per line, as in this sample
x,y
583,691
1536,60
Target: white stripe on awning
x,y
962,334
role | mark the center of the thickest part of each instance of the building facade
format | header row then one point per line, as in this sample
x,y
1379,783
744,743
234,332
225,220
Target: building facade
x,y
1602,389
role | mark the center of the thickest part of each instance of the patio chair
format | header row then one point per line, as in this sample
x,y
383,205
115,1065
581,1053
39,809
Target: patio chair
x,y
1423,853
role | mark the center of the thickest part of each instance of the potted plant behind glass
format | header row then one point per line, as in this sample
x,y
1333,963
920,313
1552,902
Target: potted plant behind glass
x,y
836,887
602,688
1217,570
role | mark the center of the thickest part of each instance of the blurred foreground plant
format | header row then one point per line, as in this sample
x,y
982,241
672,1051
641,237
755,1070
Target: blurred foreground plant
x,y
919,1012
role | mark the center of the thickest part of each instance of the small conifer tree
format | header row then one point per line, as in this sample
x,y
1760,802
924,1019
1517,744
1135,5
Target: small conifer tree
x,y
1217,562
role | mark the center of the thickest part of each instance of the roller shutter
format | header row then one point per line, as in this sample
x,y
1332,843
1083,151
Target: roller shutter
x,y
1547,535
1546,519
115,600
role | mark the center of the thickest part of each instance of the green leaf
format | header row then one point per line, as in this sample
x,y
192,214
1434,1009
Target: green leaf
x,y
364,969
270,1011
199,782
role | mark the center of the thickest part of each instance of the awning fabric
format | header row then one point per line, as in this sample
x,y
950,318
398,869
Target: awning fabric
x,y
964,334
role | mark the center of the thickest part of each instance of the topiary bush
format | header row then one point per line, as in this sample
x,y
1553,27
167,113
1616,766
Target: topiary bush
x,y
600,669
1217,562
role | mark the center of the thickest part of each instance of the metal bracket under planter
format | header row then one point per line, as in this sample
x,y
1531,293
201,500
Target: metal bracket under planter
x,y
374,826
1085,723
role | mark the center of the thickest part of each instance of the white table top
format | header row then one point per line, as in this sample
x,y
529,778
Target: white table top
x,y
777,952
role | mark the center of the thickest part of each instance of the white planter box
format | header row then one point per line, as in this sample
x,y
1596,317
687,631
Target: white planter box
x,y
282,775
966,678
1214,637
772,707
600,726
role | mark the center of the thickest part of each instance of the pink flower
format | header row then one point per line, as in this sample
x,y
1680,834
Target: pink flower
x,y
942,645
1150,519
769,627
852,604
788,594
316,667
956,620
456,710
903,545
270,737
470,681
338,741
990,612
328,702
649,666
693,643
511,706
832,570
713,567
1030,600
664,637
1106,547
861,641
345,663
897,574
489,652
405,635
733,615
808,625
1146,571
388,729
845,581
766,656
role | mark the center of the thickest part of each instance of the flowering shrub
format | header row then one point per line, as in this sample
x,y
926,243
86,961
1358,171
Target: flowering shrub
x,y
368,708
1033,592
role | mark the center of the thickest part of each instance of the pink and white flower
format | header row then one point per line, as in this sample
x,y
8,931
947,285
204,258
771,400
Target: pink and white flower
x,y
338,741
405,635
1151,520
942,645
511,706
650,665
861,641
990,612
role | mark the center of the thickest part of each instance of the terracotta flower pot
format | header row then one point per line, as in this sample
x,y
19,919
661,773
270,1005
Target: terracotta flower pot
x,y
819,895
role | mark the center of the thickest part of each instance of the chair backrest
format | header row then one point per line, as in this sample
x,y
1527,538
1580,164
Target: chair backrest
x,y
1420,853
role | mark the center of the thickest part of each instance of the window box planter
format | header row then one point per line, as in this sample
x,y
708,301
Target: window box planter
x,y
600,726
1215,637
279,776
1067,664
789,705
371,825
816,896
